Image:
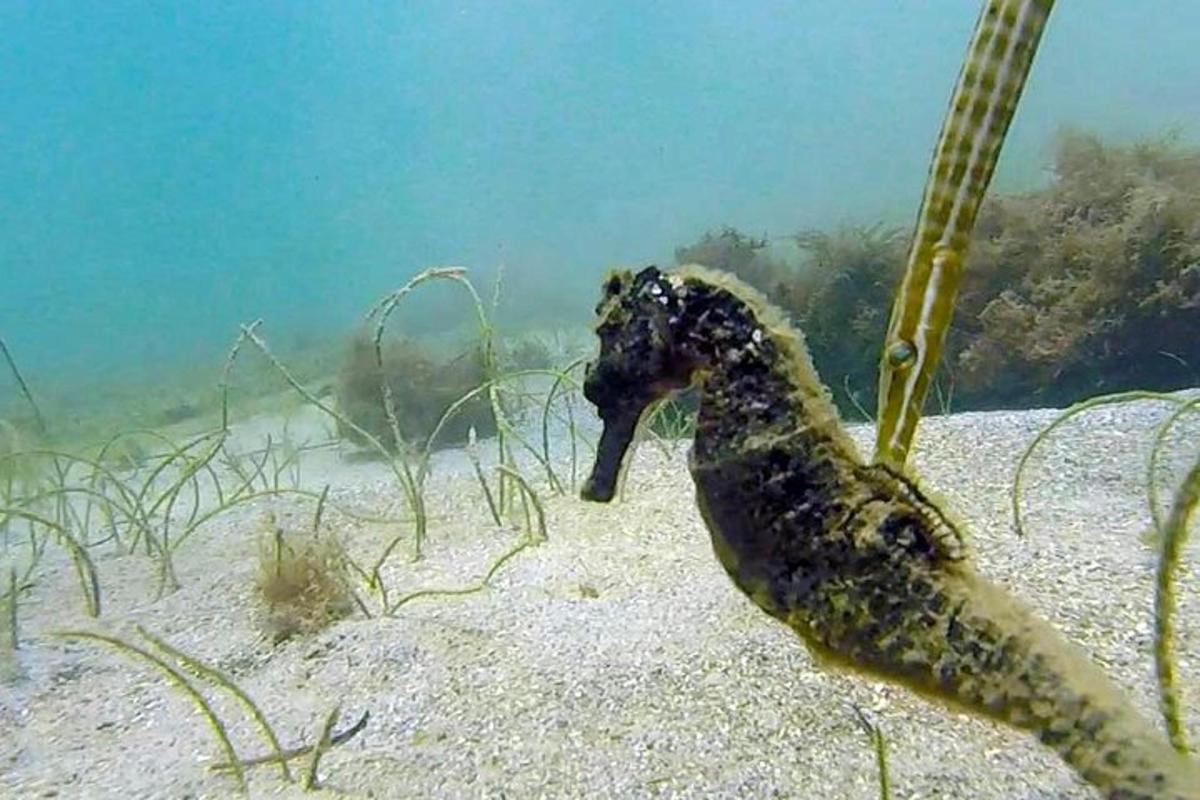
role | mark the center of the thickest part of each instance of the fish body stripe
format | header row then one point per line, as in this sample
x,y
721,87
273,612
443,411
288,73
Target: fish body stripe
x,y
982,106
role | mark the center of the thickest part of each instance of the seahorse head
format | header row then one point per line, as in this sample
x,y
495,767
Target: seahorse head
x,y
638,364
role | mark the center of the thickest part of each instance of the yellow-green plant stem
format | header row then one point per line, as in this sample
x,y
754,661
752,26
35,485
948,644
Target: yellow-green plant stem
x,y
1174,538
1172,535
383,309
180,681
299,752
1152,466
879,745
563,377
528,492
993,75
88,579
12,599
408,486
244,335
1067,416
24,387
215,676
479,586
320,510
489,386
473,456
324,742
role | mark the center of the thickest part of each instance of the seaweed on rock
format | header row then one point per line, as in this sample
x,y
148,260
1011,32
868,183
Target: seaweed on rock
x,y
1090,284
422,388
838,292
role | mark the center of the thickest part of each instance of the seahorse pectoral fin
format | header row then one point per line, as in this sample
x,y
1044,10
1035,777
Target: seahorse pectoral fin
x,y
615,439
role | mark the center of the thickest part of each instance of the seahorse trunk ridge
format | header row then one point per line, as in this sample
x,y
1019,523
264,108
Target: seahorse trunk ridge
x,y
853,557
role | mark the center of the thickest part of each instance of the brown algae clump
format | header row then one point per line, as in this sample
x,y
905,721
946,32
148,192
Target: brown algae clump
x,y
422,388
853,557
303,579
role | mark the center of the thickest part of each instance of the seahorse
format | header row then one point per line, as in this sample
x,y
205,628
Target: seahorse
x,y
854,557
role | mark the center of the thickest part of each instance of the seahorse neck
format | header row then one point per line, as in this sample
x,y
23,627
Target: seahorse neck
x,y
757,381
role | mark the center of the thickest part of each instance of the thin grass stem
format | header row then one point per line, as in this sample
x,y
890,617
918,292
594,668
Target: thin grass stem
x,y
180,681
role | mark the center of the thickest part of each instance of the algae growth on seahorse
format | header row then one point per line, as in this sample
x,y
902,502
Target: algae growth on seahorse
x,y
852,556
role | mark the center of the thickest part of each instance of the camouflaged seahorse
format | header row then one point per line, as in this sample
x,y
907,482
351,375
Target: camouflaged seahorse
x,y
853,557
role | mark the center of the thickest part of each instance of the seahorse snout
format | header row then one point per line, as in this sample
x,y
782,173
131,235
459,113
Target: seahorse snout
x,y
615,439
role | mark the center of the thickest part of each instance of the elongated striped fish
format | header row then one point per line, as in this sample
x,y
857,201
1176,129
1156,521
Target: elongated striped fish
x,y
989,86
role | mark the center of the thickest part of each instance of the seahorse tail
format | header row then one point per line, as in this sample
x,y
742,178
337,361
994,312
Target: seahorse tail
x,y
1004,662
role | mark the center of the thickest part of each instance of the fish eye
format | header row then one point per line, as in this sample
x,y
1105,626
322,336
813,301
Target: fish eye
x,y
901,355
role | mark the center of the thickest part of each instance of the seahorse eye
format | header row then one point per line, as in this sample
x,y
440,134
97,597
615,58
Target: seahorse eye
x,y
901,355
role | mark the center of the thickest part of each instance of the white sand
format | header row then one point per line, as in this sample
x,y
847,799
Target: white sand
x,y
614,660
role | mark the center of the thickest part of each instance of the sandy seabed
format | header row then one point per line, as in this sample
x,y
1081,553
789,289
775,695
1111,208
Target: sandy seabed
x,y
614,660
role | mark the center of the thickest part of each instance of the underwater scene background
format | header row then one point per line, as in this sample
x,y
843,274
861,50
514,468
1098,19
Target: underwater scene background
x,y
300,391
173,172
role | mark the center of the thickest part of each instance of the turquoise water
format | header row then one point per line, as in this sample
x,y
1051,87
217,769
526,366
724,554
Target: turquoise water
x,y
172,170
